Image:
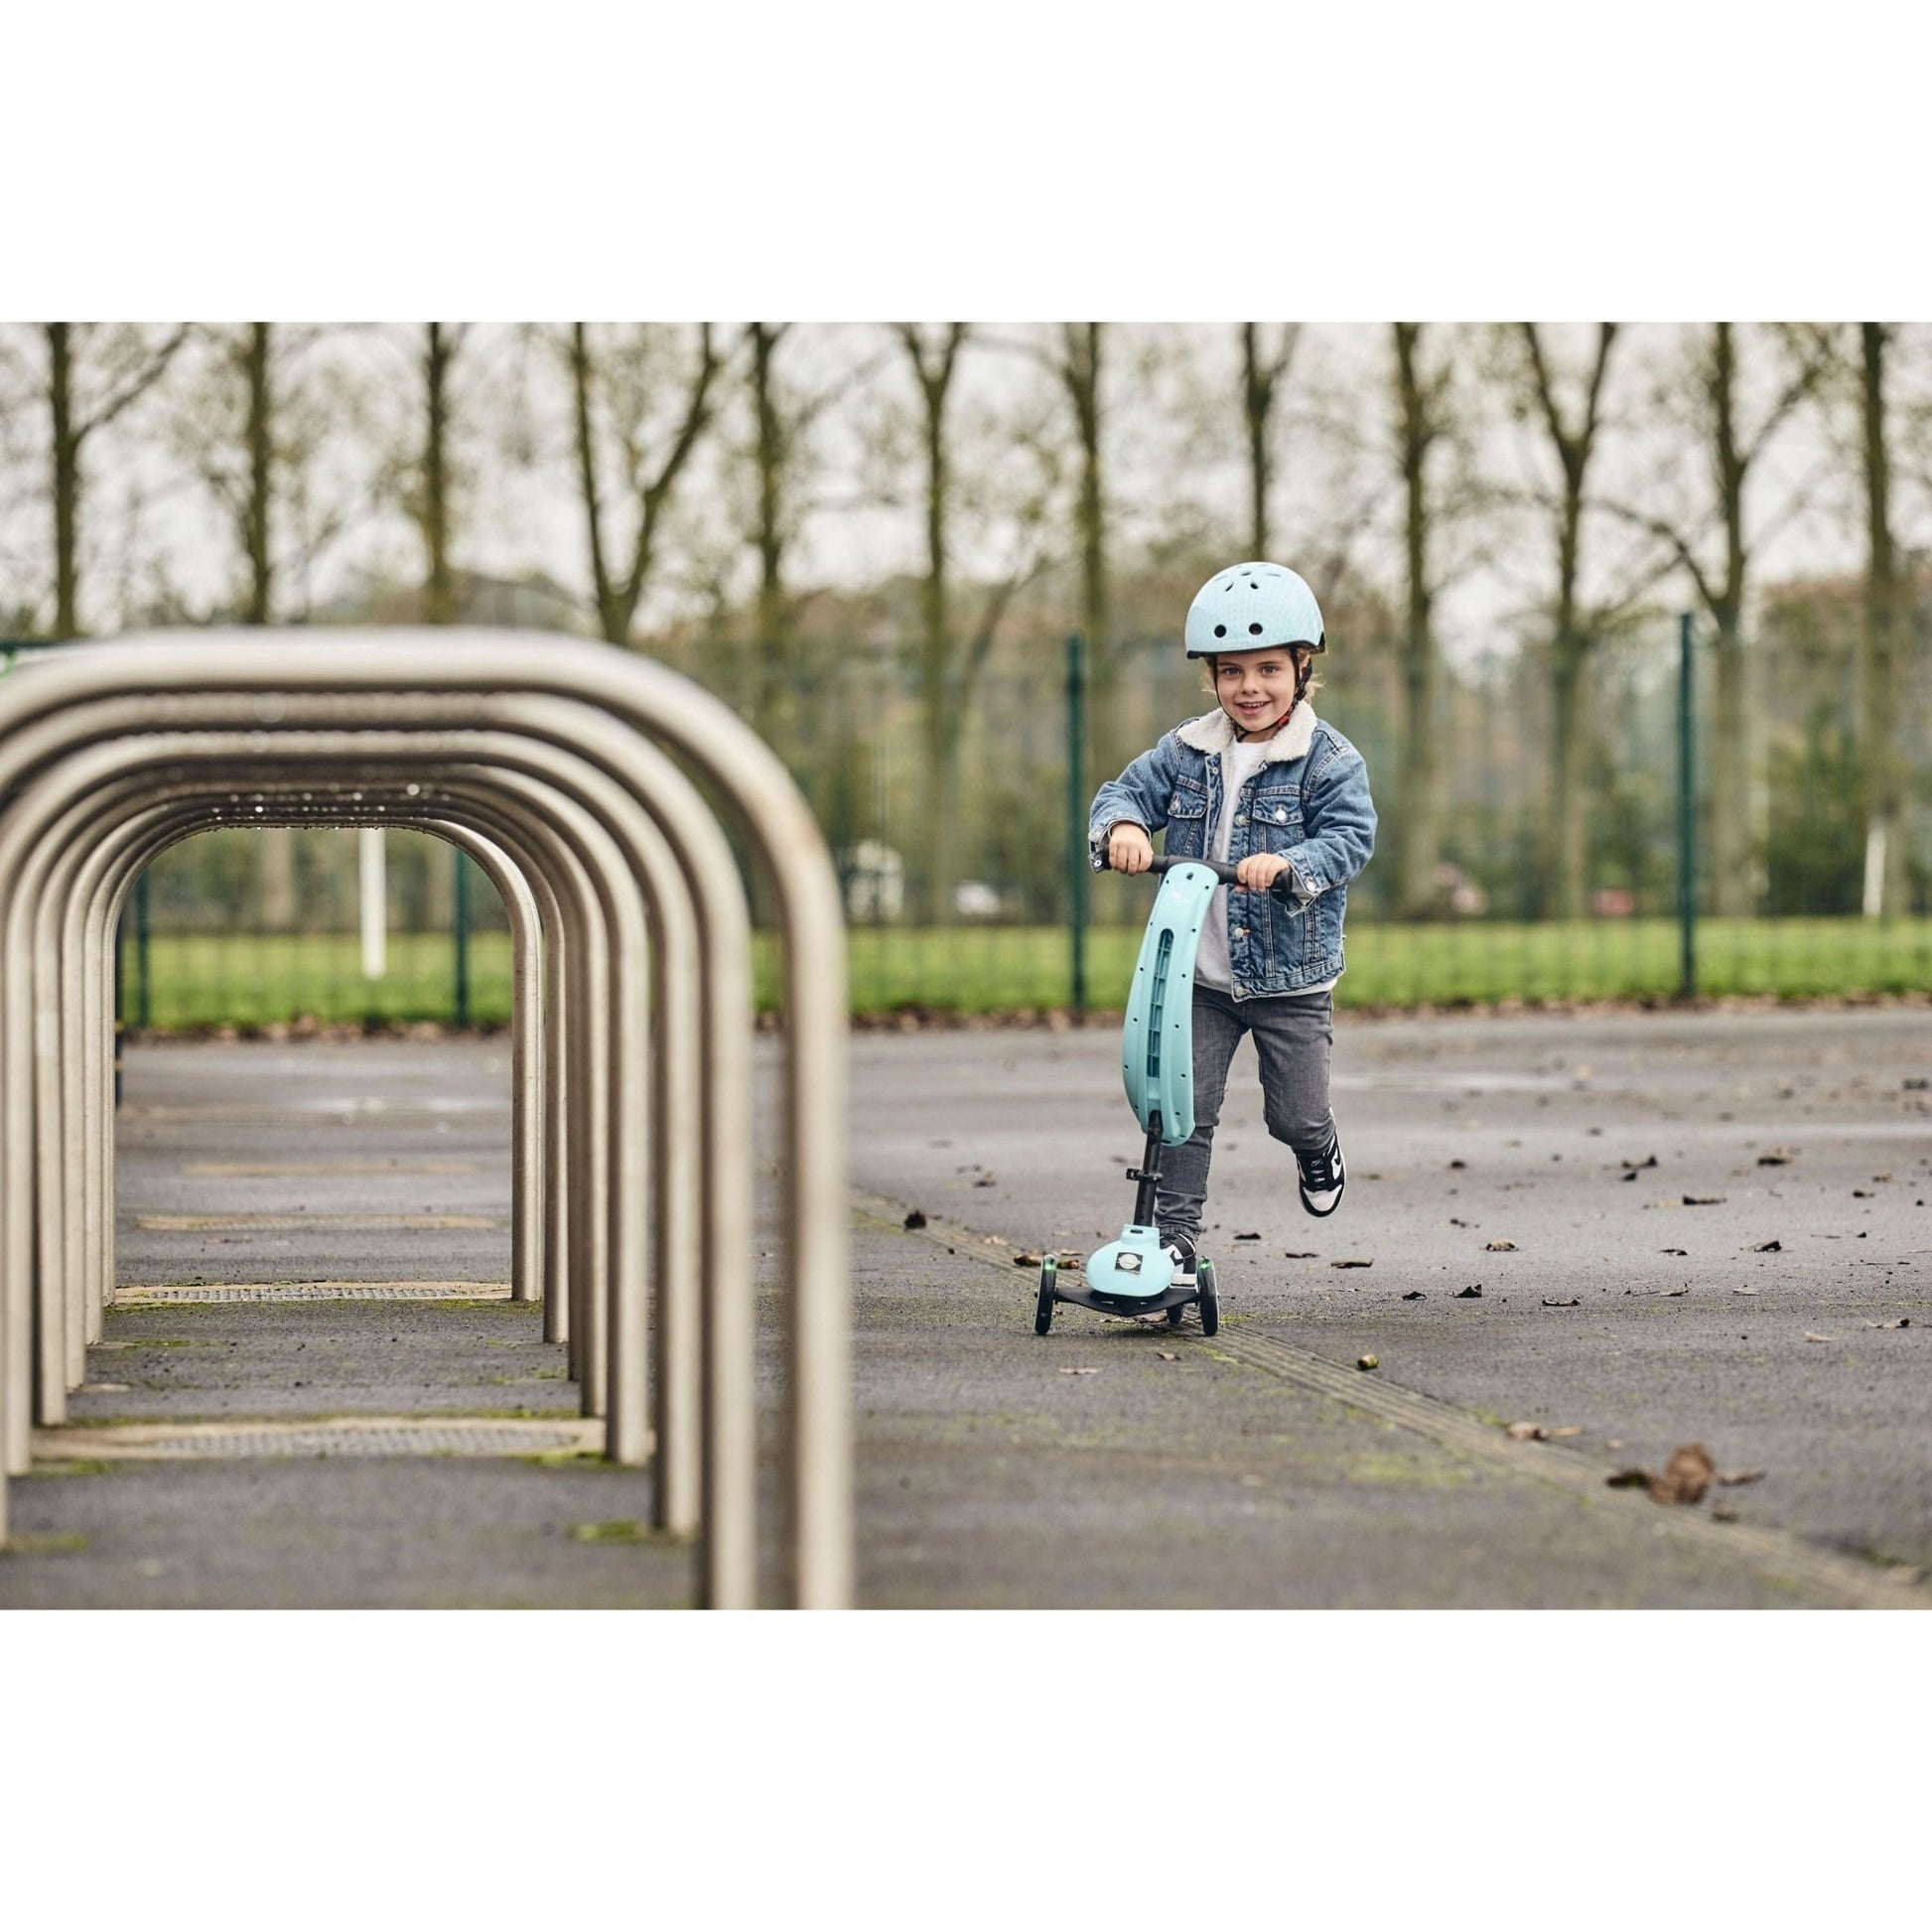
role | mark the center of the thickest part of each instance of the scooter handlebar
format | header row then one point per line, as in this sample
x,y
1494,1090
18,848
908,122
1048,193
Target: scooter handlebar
x,y
1282,888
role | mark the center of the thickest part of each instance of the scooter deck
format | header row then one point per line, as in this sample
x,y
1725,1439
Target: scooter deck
x,y
1088,1298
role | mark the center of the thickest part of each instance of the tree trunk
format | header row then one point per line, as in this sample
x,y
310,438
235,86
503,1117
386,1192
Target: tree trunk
x,y
1419,788
1884,843
772,678
1080,371
67,480
1255,398
439,594
1565,827
1733,889
261,446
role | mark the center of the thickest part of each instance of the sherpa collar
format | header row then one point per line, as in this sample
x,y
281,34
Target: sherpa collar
x,y
1214,733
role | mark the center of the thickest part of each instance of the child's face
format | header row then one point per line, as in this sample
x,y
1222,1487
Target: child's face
x,y
1255,688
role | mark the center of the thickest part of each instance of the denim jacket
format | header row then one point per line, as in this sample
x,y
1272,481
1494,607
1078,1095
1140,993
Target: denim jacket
x,y
1308,802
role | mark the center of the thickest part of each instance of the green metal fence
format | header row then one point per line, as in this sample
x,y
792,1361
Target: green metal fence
x,y
959,848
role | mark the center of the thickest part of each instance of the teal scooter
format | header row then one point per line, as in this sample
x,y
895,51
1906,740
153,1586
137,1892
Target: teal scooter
x,y
1132,1276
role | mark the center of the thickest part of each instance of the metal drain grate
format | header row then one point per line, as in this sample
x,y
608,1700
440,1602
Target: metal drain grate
x,y
161,1298
337,1435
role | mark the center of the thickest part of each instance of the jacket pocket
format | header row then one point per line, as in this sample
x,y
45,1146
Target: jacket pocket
x,y
1189,801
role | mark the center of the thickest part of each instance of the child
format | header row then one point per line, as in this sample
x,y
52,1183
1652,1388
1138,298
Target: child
x,y
1262,784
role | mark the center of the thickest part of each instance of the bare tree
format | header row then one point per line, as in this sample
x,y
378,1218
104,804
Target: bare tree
x,y
618,389
1422,402
1733,436
1885,785
1264,369
1573,435
94,374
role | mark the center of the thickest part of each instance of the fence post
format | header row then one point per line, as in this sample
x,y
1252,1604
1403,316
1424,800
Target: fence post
x,y
461,938
144,994
1686,877
1076,814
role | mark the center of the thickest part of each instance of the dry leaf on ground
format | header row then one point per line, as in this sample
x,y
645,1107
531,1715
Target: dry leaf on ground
x,y
1474,1292
1301,1254
1024,1259
1368,1361
1733,1478
1808,1337
1079,1371
1500,1247
1767,1247
1778,1156
1414,1295
1703,1200
1673,1251
1743,1291
1903,1321
1166,1354
916,1219
1248,1238
1572,1302
1687,1476
987,1180
1536,1432
1351,1261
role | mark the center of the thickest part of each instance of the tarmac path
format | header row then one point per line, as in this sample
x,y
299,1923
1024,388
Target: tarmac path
x,y
1106,1465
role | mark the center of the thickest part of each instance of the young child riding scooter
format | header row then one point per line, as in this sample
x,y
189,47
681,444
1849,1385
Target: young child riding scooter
x,y
1262,783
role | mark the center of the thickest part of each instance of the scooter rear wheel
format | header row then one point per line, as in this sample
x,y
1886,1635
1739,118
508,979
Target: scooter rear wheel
x,y
1210,1303
1044,1308
1174,1318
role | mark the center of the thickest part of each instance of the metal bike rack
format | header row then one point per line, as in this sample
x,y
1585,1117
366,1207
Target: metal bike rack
x,y
631,1186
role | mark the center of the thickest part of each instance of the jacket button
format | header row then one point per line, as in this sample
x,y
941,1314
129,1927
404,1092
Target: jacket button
x,y
1241,818
1240,932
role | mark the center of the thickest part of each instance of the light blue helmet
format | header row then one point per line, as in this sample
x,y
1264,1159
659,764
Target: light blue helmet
x,y
1252,607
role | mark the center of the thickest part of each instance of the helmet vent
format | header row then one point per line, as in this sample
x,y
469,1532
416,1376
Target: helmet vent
x,y
1254,630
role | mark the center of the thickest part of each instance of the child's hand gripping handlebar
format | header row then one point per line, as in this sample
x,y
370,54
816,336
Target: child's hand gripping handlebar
x,y
1282,888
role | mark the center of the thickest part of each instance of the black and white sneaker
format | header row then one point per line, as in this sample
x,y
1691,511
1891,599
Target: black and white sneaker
x,y
1179,1249
1324,1176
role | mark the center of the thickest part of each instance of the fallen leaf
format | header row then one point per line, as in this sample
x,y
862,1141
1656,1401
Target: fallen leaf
x,y
1628,1479
1351,1261
1733,1478
987,1180
1025,1260
1743,1291
1247,1237
1079,1371
1808,1337
1779,1157
1414,1295
1500,1247
1903,1321
1882,1177
1455,1222
1458,1163
1636,1166
1767,1247
1166,1354
1071,1257
1301,1254
1687,1476
1673,1251
1368,1361
1703,1200
1861,1194
1536,1432
916,1219
1474,1292
1572,1304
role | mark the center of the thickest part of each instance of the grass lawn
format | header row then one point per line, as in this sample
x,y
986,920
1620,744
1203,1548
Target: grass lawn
x,y
248,980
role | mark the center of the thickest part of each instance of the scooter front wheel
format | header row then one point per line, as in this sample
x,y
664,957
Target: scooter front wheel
x,y
1210,1303
1044,1308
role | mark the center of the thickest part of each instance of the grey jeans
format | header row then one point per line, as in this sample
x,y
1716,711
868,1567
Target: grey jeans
x,y
1294,1033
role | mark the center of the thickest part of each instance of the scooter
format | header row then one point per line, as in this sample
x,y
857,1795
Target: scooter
x,y
1133,1276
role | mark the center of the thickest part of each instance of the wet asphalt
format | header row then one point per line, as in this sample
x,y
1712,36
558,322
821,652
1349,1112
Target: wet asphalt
x,y
1087,1469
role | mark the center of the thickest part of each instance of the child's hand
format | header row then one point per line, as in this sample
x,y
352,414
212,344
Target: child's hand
x,y
1129,849
1258,869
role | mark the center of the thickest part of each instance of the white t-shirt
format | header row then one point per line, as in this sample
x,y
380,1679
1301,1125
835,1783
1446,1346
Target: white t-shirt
x,y
1213,966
